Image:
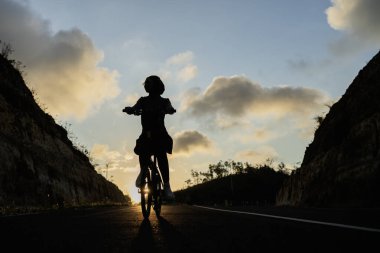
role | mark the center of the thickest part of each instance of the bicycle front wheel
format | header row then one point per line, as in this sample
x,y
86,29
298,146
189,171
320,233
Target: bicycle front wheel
x,y
157,197
146,195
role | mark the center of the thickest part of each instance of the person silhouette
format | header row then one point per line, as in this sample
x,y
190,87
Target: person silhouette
x,y
154,138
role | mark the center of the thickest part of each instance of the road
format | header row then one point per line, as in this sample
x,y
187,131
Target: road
x,y
185,228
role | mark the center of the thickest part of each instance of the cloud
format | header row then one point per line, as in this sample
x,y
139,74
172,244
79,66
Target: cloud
x,y
102,152
180,58
358,17
132,99
180,67
238,97
263,135
190,141
61,67
258,156
258,135
187,73
104,156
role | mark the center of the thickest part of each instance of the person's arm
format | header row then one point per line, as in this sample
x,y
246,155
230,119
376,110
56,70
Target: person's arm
x,y
169,109
136,109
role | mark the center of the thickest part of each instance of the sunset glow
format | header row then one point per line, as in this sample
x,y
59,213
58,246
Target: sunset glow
x,y
247,78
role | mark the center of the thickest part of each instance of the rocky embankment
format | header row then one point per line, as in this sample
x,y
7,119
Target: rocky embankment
x,y
341,167
39,166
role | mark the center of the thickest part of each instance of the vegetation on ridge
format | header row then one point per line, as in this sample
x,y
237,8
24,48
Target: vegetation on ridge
x,y
236,183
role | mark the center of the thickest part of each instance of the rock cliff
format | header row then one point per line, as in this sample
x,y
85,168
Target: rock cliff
x,y
341,167
39,166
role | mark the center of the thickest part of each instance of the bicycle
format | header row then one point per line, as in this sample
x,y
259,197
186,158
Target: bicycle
x,y
151,189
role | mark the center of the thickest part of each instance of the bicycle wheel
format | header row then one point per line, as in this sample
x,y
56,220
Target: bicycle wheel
x,y
157,195
146,195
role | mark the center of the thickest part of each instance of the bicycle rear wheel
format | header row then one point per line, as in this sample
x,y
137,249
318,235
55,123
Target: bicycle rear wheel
x,y
146,195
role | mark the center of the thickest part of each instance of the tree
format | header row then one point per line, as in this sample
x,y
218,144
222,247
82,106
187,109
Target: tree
x,y
237,167
211,170
188,183
220,170
195,175
249,168
282,168
206,176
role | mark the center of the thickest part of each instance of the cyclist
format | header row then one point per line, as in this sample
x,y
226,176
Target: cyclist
x,y
154,138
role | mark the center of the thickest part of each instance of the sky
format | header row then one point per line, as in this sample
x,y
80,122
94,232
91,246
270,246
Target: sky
x,y
247,77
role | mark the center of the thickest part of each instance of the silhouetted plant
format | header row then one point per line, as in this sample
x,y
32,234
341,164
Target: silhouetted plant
x,y
226,168
282,167
188,182
6,52
6,49
74,140
247,184
195,175
320,118
37,100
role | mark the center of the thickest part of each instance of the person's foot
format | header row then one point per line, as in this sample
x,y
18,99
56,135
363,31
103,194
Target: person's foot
x,y
168,194
138,180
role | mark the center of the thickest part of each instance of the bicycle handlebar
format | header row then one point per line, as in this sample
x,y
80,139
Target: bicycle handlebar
x,y
129,110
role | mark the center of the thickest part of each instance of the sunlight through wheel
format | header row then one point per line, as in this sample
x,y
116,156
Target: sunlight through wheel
x,y
146,196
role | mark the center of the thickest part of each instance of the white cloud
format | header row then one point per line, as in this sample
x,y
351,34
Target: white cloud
x,y
187,73
179,67
102,152
180,58
61,67
115,160
131,169
239,98
358,17
132,99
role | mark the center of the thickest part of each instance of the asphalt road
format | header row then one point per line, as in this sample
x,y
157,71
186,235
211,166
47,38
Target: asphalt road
x,y
185,228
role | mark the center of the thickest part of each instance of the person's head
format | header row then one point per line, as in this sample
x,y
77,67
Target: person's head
x,y
153,85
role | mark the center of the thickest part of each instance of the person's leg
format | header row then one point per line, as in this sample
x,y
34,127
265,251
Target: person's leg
x,y
164,168
163,163
144,163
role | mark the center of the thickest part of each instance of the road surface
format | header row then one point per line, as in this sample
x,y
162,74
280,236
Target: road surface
x,y
185,228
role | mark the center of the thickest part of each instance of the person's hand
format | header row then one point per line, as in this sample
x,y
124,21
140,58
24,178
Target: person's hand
x,y
128,110
171,111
